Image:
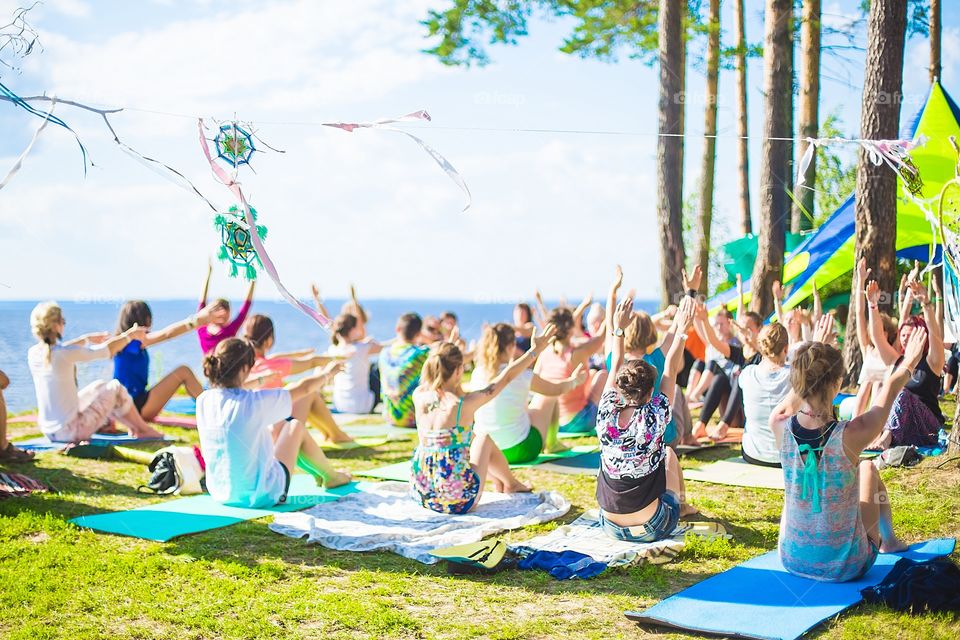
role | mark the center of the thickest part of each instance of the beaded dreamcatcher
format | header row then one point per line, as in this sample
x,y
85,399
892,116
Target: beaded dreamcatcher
x,y
236,242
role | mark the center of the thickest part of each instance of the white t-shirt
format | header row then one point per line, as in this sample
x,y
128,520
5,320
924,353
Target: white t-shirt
x,y
56,381
762,391
505,418
351,387
235,440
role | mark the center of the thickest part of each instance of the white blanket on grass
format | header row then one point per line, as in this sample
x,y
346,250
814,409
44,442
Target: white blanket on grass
x,y
385,516
585,535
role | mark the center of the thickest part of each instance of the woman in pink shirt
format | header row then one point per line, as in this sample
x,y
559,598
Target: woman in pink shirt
x,y
221,326
268,372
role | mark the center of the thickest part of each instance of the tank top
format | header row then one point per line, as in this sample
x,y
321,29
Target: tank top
x,y
821,532
556,366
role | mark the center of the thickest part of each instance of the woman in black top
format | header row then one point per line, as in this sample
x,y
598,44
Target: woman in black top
x,y
916,418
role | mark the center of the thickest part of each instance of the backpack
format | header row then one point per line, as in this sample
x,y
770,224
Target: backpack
x,y
915,587
177,471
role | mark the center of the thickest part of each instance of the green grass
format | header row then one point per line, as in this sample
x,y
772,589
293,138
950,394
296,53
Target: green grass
x,y
244,581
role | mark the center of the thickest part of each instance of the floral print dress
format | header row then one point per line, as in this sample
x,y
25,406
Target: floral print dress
x,y
441,475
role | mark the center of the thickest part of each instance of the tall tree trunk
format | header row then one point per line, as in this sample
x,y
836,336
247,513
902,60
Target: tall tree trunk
x,y
775,158
876,224
709,142
743,156
669,164
809,111
682,127
935,28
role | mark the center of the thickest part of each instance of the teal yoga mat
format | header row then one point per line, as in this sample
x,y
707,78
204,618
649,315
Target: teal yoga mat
x,y
759,599
401,470
166,520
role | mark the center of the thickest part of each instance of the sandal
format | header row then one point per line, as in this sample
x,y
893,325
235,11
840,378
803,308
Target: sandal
x,y
15,454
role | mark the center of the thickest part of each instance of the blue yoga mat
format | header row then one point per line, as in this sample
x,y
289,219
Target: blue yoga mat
x,y
181,404
759,599
181,516
41,444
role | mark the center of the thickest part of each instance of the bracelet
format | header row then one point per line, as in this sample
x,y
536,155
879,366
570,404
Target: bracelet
x,y
193,321
692,293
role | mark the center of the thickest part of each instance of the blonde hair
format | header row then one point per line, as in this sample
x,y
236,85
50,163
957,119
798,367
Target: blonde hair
x,y
773,340
43,324
640,334
443,362
494,342
815,371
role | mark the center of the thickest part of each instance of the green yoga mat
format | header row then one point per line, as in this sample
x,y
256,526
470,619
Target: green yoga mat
x,y
167,520
401,470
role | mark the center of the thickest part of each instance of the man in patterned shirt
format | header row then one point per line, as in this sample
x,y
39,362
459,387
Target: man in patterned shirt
x,y
400,366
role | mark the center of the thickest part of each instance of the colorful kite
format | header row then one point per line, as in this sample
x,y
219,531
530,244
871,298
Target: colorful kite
x,y
236,243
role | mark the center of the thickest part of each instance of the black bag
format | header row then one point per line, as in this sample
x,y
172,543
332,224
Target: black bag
x,y
164,479
915,587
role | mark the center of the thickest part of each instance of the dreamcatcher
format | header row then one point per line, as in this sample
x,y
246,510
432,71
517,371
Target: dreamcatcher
x,y
234,145
236,242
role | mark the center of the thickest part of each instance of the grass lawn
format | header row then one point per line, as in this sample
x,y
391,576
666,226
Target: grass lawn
x,y
245,581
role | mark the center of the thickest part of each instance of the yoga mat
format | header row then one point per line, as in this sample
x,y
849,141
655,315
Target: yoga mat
x,y
164,521
759,599
41,444
181,404
186,422
736,472
360,442
379,429
587,464
401,470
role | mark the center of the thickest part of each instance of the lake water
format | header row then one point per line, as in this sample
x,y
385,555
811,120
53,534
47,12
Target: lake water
x,y
294,331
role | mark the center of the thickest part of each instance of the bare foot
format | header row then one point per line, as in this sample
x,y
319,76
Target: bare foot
x,y
336,479
498,486
688,510
516,487
149,432
693,406
699,431
719,432
689,441
893,546
556,447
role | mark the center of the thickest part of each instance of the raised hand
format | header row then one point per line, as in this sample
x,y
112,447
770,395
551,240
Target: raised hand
x,y
332,368
916,346
692,281
873,293
315,290
700,311
97,338
777,290
824,331
579,376
136,332
203,316
624,313
617,278
918,291
862,270
685,312
539,341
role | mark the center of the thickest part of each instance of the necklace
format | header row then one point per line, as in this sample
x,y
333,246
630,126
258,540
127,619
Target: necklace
x,y
816,415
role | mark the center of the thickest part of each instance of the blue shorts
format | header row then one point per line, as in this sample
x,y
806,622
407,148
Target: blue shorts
x,y
658,527
584,422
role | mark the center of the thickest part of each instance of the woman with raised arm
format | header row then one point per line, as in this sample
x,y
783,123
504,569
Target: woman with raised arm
x,y
352,391
640,486
523,325
218,325
450,466
873,370
916,418
66,413
131,365
270,372
836,515
522,432
250,444
578,407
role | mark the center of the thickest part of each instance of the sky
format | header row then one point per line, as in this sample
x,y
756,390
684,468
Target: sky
x,y
555,210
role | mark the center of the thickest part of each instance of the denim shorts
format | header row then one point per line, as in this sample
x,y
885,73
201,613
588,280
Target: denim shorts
x,y
659,527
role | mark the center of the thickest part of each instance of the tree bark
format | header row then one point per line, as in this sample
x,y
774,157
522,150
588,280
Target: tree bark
x,y
935,29
669,164
775,159
743,155
708,163
876,196
809,112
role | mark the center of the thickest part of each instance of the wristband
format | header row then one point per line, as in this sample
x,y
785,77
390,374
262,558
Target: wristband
x,y
692,293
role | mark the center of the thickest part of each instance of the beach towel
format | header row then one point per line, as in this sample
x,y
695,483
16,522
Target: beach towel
x,y
760,599
17,485
41,444
386,517
585,535
737,472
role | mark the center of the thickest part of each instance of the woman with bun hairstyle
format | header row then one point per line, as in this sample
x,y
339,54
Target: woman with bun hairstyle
x,y
640,486
249,444
351,387
522,432
451,463
66,413
836,515
763,387
269,372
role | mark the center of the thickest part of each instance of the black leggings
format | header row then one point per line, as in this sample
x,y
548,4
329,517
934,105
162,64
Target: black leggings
x,y
761,463
720,390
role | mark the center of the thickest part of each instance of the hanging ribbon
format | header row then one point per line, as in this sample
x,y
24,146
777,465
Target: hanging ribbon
x,y
48,117
383,123
268,266
19,163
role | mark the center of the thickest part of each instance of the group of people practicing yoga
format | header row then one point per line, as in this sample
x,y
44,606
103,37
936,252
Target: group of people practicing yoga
x,y
614,371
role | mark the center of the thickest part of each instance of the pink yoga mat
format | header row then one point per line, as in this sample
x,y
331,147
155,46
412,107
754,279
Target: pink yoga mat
x,y
185,422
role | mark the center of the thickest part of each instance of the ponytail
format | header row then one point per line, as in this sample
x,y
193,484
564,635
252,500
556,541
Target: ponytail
x,y
442,363
223,366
